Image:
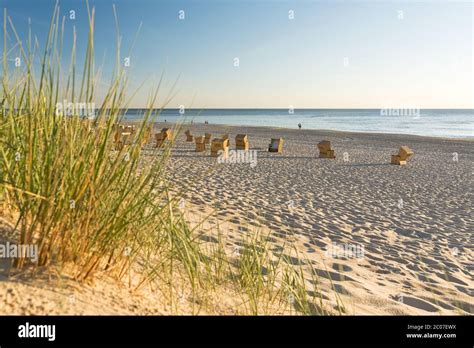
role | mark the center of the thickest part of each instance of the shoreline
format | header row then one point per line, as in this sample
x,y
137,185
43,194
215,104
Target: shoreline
x,y
329,132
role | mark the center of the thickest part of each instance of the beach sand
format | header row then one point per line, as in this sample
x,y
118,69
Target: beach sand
x,y
388,239
385,239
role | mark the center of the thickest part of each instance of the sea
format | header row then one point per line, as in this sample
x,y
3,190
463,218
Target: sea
x,y
448,123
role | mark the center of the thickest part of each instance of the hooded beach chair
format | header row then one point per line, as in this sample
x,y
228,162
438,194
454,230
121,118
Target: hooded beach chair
x,y
122,139
161,137
200,144
403,154
189,136
325,150
241,142
218,145
276,145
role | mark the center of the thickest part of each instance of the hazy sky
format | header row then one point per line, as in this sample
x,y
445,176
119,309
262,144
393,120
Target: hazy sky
x,y
333,54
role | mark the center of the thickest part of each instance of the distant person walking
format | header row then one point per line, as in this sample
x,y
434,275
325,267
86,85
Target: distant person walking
x,y
299,125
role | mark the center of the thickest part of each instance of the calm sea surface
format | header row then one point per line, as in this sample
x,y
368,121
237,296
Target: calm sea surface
x,y
452,123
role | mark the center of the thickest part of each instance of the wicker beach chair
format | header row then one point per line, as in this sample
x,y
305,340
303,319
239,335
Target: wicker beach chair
x,y
403,154
161,137
189,136
122,139
207,138
276,145
325,150
241,142
200,144
218,145
225,137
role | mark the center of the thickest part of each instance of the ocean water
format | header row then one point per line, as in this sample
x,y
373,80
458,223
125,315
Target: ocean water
x,y
451,123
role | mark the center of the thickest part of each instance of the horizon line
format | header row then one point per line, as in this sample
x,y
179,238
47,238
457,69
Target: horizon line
x,y
260,108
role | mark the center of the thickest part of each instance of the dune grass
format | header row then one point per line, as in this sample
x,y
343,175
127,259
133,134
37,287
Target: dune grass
x,y
93,209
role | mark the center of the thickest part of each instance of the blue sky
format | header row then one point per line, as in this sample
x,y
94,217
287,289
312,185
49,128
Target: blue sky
x,y
333,54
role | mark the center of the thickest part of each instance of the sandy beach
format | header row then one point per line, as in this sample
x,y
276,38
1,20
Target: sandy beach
x,y
381,238
388,239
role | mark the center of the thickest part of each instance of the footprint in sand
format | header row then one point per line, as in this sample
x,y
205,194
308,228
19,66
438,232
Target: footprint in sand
x,y
293,260
438,303
415,302
341,290
341,268
318,295
332,275
448,277
467,307
467,291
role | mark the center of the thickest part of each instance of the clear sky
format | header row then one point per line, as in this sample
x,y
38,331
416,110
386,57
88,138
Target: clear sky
x,y
332,54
